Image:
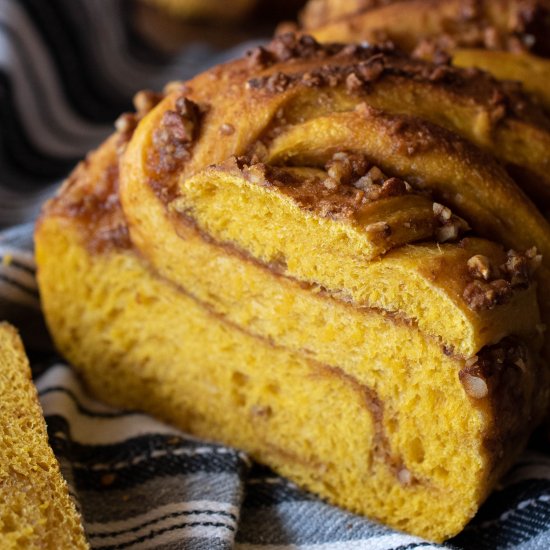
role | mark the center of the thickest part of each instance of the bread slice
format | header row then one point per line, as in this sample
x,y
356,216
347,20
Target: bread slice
x,y
263,261
36,510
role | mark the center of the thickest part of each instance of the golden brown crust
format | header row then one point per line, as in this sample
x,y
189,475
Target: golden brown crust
x,y
514,25
99,211
181,142
466,101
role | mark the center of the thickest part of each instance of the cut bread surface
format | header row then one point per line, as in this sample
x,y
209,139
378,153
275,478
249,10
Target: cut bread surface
x,y
290,270
337,424
36,510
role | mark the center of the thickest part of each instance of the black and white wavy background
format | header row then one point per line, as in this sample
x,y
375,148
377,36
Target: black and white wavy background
x,y
67,69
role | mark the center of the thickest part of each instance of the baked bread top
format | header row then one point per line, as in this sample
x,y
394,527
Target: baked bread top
x,y
507,38
330,130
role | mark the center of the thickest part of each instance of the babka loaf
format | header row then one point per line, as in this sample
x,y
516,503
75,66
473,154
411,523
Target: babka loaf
x,y
290,255
36,510
508,38
512,25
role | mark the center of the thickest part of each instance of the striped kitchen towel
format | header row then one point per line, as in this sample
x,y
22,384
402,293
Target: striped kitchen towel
x,y
142,484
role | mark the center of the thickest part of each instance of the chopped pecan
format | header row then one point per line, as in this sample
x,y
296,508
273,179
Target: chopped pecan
x,y
372,69
344,167
260,58
489,362
227,129
475,386
312,79
145,101
277,82
288,45
480,267
494,285
480,295
450,226
175,135
125,126
519,268
442,213
353,82
126,123
376,187
379,230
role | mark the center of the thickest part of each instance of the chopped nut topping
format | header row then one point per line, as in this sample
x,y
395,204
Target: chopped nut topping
x,y
312,80
447,233
227,129
375,188
289,45
404,476
343,168
176,132
330,184
329,209
379,230
442,213
479,267
519,268
451,226
145,101
475,386
480,295
179,86
494,285
259,58
126,123
353,82
372,69
489,362
125,126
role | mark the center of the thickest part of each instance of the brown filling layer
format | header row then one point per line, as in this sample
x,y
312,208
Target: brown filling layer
x,y
369,398
99,214
358,66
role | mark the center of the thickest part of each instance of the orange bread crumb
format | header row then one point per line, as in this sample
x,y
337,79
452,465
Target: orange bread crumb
x,y
36,510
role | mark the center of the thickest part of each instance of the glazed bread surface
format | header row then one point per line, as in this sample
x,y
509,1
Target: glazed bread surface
x,y
279,256
36,510
508,38
513,25
205,9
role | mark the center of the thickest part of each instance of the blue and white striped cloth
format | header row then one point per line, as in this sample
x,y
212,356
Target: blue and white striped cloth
x,y
67,68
